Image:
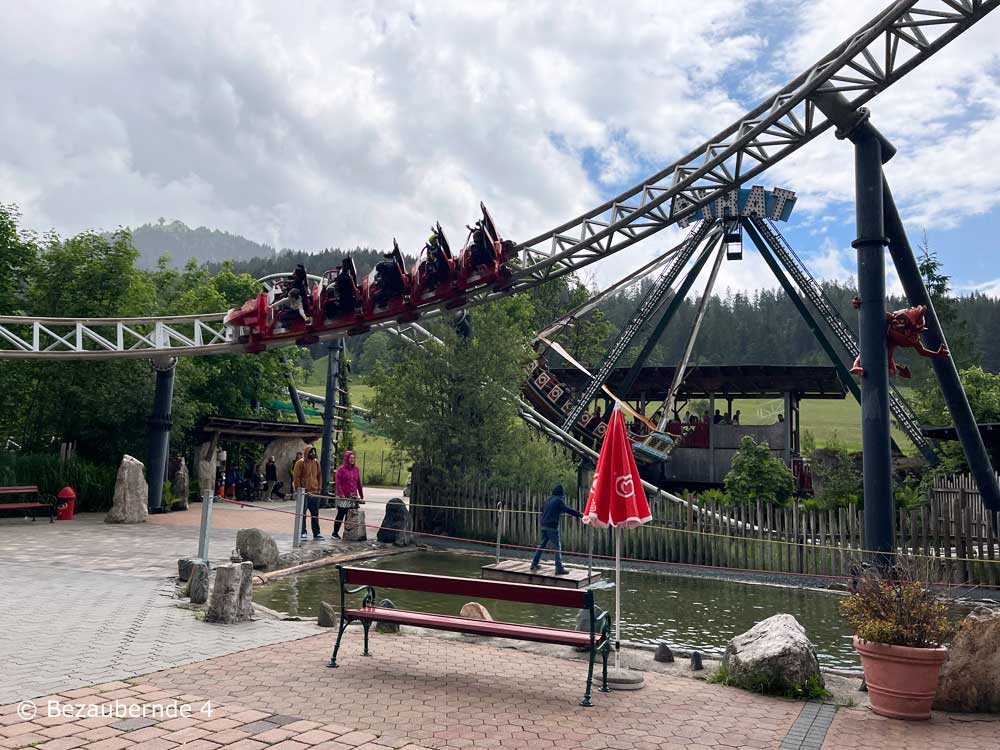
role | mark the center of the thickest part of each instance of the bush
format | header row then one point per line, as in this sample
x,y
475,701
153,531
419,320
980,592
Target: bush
x,y
757,475
897,611
714,495
838,481
94,484
810,690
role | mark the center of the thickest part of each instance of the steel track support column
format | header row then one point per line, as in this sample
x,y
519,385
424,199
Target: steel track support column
x,y
675,304
944,367
293,392
335,349
875,439
159,431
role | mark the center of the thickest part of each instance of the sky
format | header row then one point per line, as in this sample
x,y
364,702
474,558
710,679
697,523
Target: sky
x,y
337,124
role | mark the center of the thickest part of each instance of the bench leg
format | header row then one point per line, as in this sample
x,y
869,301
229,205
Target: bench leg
x,y
604,670
590,678
336,648
366,624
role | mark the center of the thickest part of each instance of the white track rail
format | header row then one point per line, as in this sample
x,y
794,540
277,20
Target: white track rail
x,y
896,41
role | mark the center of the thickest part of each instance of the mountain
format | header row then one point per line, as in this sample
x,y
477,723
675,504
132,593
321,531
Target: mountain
x,y
181,243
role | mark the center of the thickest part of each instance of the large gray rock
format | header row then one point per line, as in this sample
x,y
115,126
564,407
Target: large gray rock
x,y
970,679
181,484
583,624
476,611
258,547
204,466
387,627
284,450
198,583
396,526
231,598
354,526
328,617
774,655
131,501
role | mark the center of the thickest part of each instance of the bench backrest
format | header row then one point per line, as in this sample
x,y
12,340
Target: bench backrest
x,y
471,587
26,490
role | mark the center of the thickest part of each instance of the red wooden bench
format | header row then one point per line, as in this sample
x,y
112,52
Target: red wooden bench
x,y
30,507
596,641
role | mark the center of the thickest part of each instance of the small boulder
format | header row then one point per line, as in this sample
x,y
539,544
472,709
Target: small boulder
x,y
181,485
258,547
387,627
198,583
354,526
184,567
475,611
231,598
774,655
328,617
396,526
131,500
583,624
663,654
696,665
970,679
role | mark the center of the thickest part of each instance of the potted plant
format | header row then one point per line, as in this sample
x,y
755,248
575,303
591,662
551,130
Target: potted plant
x,y
900,627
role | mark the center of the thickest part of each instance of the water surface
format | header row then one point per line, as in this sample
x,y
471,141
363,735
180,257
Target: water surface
x,y
687,613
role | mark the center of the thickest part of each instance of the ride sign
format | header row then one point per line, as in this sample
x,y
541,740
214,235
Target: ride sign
x,y
774,204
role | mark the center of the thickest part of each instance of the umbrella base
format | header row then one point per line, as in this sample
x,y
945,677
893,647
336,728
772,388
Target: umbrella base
x,y
625,679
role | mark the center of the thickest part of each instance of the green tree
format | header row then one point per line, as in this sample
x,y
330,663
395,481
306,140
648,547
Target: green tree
x,y
18,253
757,475
453,407
983,391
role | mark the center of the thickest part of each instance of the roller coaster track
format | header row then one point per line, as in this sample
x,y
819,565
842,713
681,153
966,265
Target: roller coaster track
x,y
901,410
651,302
896,41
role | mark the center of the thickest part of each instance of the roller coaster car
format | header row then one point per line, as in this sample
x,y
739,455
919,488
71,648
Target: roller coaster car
x,y
339,296
436,271
485,256
386,289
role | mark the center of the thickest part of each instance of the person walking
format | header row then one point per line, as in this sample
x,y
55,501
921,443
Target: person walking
x,y
552,511
306,474
347,486
270,477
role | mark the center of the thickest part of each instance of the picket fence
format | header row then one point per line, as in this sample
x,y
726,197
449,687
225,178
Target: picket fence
x,y
947,539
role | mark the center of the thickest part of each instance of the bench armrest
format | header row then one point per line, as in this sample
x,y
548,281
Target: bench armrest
x,y
369,599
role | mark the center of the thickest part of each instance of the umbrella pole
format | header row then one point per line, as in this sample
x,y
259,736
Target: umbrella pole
x,y
618,597
590,553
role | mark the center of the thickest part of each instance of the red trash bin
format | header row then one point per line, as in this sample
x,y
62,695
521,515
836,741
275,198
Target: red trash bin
x,y
67,501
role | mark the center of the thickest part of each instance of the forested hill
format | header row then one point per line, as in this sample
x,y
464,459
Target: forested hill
x,y
181,243
315,263
765,328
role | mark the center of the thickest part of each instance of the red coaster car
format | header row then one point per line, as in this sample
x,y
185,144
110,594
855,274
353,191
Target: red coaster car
x,y
436,272
386,289
485,256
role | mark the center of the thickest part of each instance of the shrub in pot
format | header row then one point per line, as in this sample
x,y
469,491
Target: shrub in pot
x,y
900,627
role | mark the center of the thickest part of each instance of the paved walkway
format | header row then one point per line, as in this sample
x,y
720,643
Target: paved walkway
x,y
89,616
86,602
427,692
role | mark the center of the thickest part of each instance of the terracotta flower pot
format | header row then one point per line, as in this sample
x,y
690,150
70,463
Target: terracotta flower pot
x,y
901,680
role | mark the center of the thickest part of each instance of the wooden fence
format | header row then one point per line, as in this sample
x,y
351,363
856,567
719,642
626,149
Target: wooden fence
x,y
947,539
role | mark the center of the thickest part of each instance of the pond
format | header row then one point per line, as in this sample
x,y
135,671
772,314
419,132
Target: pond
x,y
687,613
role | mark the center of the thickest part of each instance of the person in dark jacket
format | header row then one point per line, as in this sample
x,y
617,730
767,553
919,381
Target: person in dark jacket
x,y
552,512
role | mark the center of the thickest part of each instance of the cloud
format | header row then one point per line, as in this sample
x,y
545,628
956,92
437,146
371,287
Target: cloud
x,y
339,124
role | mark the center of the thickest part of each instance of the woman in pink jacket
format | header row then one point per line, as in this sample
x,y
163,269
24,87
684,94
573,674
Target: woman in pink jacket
x,y
347,484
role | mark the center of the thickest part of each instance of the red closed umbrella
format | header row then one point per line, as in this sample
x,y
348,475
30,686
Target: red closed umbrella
x,y
617,499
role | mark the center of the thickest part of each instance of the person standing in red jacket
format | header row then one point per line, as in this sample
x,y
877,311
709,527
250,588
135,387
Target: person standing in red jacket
x,y
347,485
